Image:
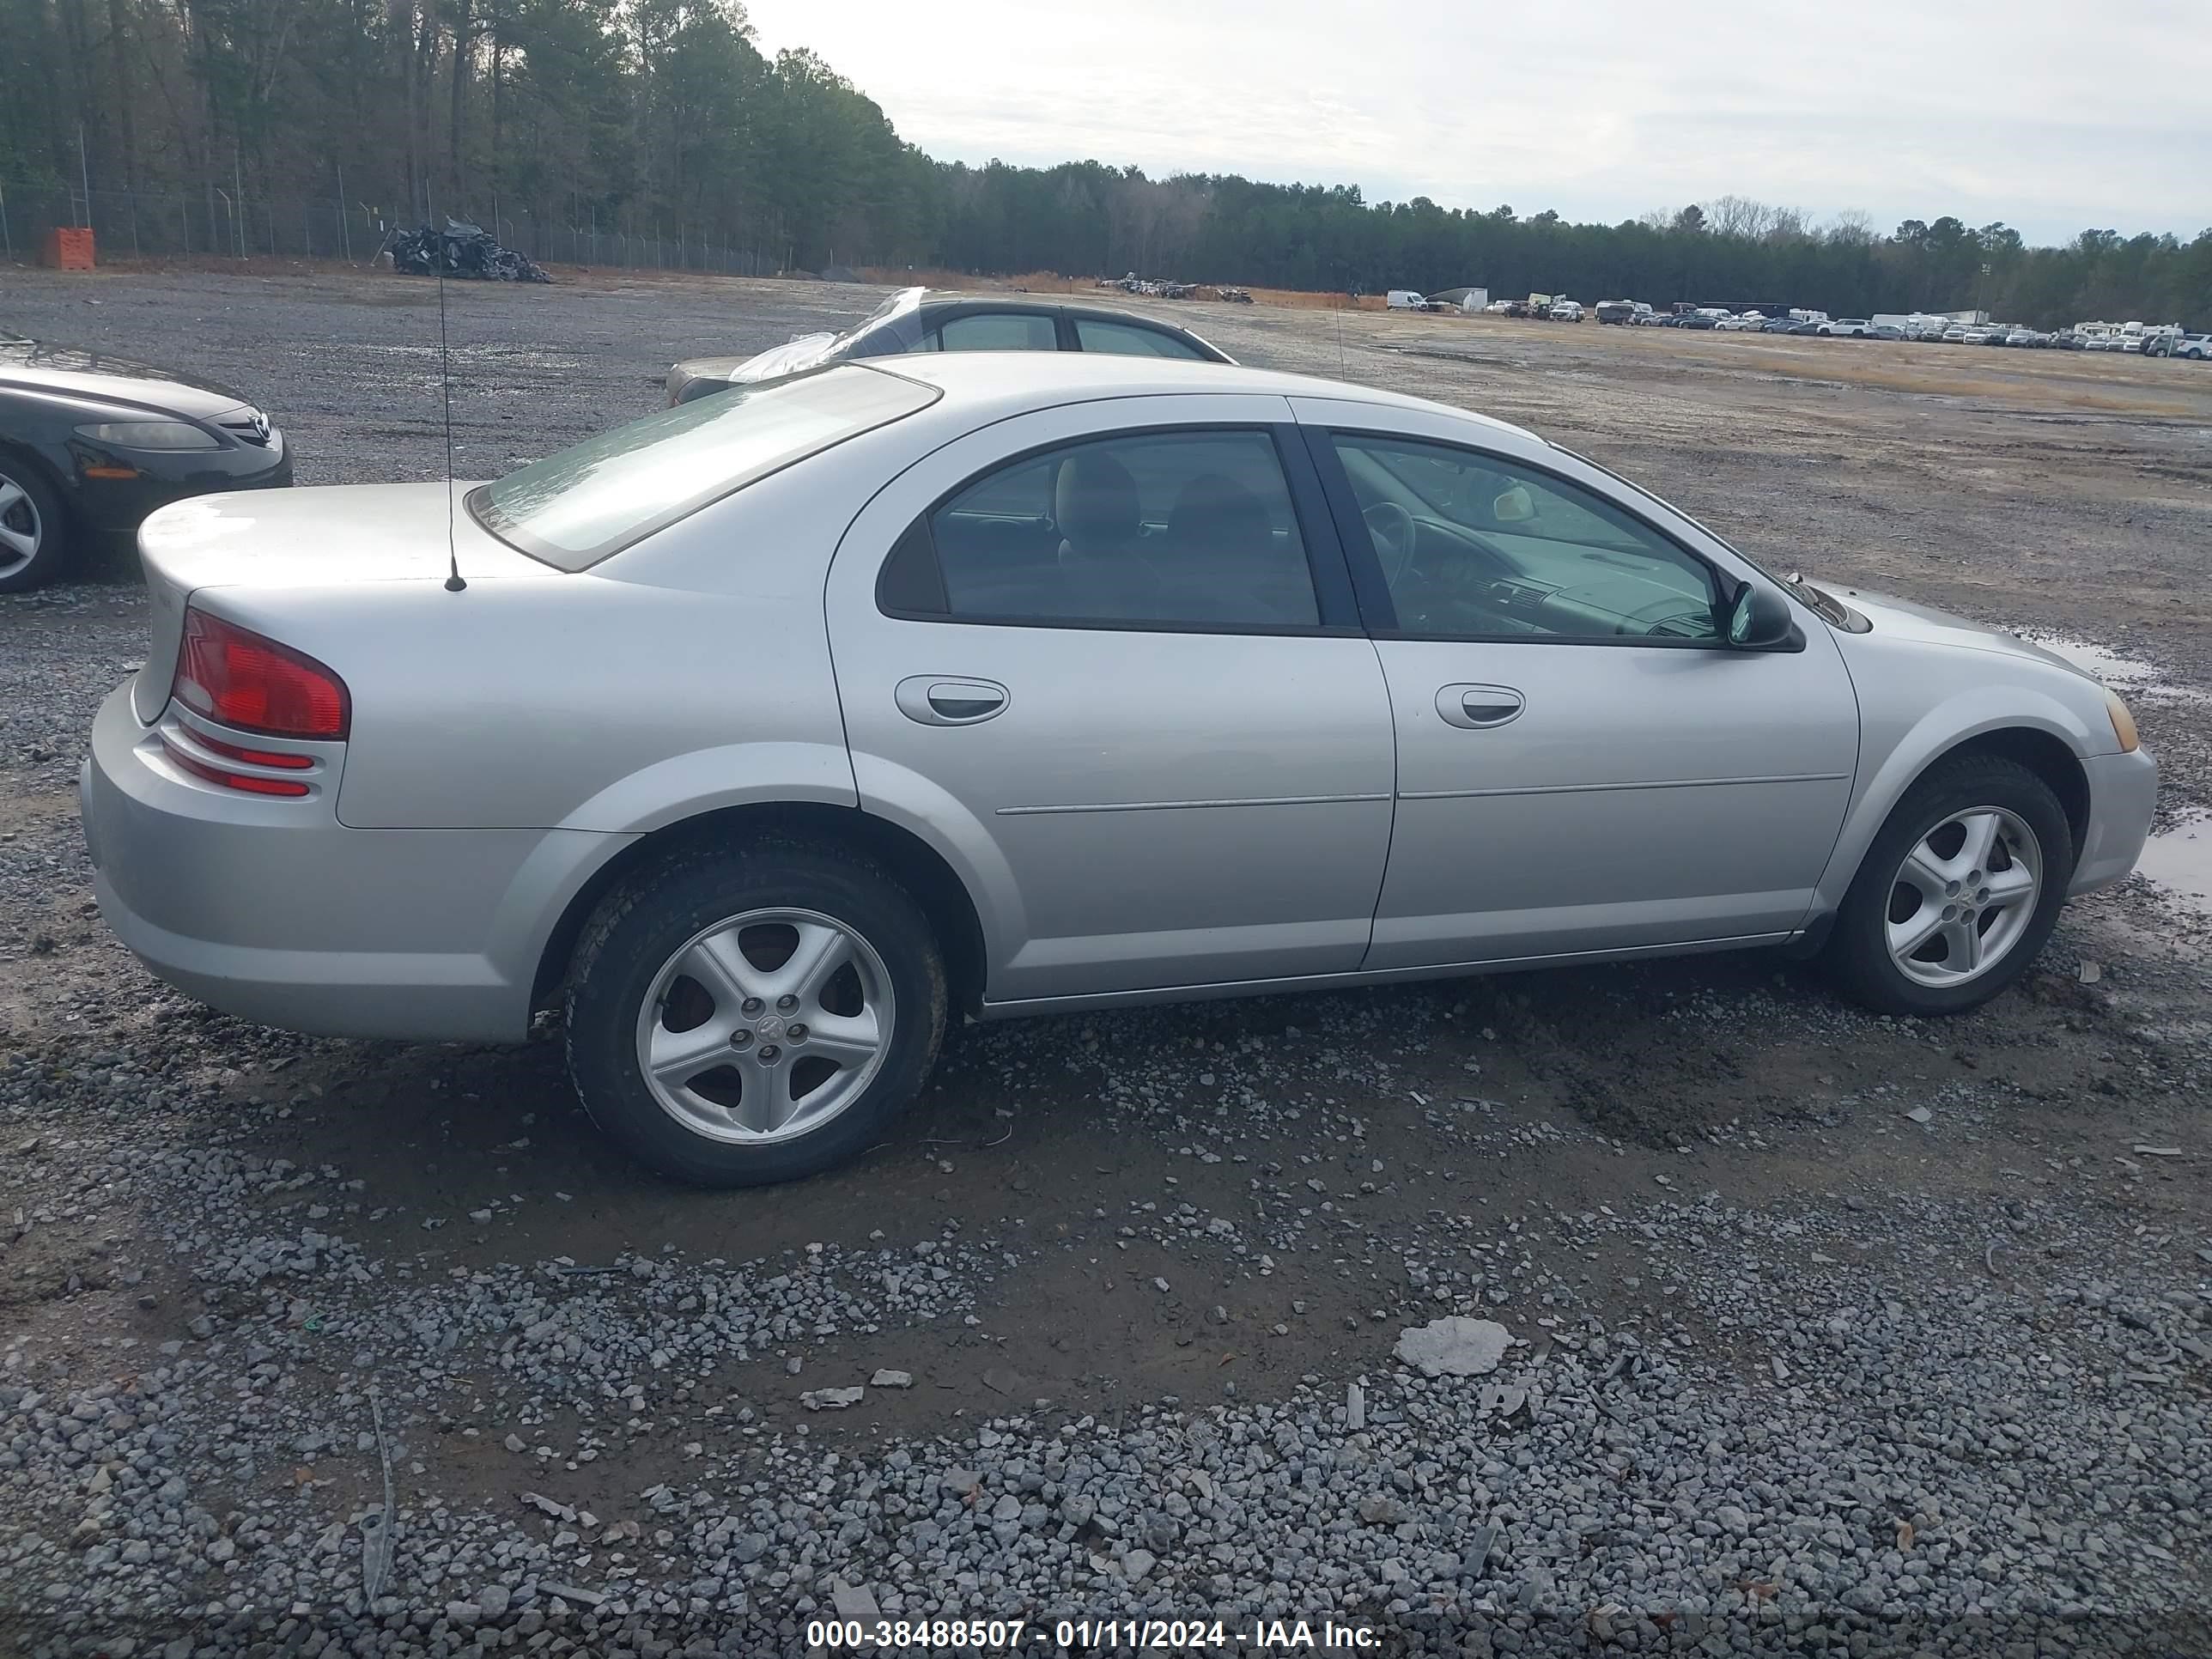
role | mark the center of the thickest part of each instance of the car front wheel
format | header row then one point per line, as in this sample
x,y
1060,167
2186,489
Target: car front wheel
x,y
33,537
1959,891
747,1015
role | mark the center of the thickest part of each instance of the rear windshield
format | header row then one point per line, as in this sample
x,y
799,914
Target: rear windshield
x,y
579,506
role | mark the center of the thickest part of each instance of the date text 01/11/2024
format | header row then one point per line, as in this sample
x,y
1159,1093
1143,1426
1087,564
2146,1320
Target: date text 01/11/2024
x,y
1009,1635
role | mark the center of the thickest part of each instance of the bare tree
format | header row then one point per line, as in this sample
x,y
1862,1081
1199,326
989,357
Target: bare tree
x,y
1852,227
1740,217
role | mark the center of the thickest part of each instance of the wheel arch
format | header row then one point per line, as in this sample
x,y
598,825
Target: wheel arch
x,y
912,861
15,451
2043,749
59,539
2041,752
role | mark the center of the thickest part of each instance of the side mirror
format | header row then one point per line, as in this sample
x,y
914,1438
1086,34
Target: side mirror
x,y
1760,620
1514,506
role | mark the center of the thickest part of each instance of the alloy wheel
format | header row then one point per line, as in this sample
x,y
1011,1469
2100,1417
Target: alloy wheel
x,y
22,530
1964,896
765,1026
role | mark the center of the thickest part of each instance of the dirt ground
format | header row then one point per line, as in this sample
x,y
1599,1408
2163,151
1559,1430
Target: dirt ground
x,y
1351,1134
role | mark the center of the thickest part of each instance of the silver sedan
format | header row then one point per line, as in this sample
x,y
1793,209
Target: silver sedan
x,y
765,734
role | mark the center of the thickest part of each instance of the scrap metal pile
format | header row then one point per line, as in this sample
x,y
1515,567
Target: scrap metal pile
x,y
460,250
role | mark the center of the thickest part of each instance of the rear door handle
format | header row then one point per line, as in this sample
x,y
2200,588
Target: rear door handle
x,y
935,702
1477,707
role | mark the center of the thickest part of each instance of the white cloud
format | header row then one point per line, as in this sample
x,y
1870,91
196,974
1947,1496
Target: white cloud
x,y
2044,113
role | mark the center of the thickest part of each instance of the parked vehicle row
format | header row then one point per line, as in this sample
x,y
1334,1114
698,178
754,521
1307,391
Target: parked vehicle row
x,y
1463,300
1543,308
2160,340
2168,341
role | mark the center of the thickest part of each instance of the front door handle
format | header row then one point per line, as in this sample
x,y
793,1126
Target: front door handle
x,y
1477,707
935,702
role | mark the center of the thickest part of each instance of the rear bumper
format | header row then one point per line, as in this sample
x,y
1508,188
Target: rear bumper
x,y
2123,794
273,911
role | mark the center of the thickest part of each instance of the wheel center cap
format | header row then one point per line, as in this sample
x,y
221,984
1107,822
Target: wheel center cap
x,y
769,1028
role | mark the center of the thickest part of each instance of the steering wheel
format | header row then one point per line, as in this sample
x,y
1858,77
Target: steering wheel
x,y
1391,528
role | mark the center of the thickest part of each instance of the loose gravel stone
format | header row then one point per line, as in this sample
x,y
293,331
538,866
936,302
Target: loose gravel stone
x,y
1454,1347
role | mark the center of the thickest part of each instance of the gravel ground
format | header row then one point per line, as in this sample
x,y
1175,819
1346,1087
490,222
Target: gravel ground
x,y
1821,1333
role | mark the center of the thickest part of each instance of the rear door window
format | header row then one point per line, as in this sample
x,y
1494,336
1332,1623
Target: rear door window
x,y
998,330
1184,529
1132,340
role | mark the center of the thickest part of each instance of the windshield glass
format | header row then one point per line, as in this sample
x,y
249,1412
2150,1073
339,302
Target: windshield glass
x,y
574,508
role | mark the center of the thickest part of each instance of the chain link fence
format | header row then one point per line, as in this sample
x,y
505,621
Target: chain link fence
x,y
216,221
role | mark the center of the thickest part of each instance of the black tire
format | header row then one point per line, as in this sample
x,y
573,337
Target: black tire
x,y
39,509
1857,952
651,914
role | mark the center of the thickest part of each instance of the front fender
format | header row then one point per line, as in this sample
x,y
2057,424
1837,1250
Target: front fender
x,y
1973,711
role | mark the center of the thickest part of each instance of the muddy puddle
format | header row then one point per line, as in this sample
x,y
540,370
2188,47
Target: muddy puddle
x,y
2131,676
2179,860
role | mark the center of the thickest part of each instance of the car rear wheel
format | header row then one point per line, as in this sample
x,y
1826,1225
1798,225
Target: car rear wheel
x,y
742,1017
33,540
1959,891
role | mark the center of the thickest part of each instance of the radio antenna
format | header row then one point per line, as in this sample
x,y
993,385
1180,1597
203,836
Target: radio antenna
x,y
454,582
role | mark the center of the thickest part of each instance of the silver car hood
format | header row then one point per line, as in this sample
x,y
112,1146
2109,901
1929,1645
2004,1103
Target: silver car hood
x,y
1903,619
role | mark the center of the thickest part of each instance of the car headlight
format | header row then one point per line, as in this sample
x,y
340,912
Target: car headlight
x,y
2124,723
150,435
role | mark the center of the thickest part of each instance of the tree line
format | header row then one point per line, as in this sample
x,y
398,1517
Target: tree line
x,y
646,115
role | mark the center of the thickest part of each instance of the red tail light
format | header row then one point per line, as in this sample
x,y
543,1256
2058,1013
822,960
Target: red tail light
x,y
245,781
233,675
254,756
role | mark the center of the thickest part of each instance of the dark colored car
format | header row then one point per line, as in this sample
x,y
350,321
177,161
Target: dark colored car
x,y
1779,326
89,445
923,320
1693,320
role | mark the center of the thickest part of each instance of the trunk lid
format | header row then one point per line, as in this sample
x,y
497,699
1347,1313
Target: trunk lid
x,y
317,538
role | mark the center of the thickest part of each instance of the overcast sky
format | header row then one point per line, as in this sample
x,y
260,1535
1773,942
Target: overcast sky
x,y
2051,115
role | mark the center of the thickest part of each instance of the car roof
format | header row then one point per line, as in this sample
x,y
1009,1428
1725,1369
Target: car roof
x,y
1040,379
937,300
